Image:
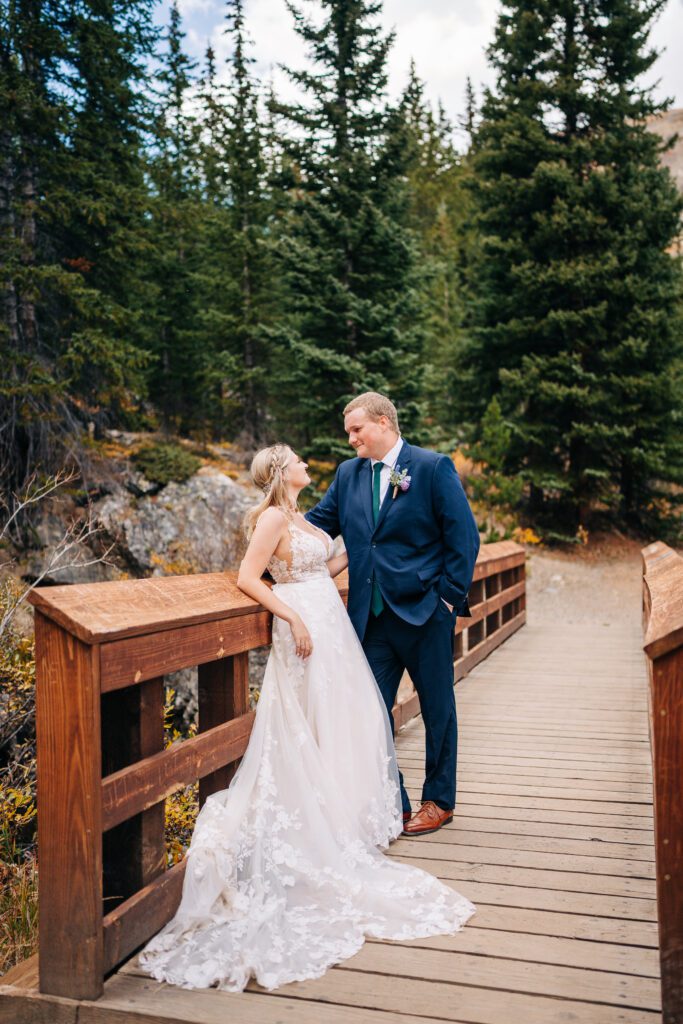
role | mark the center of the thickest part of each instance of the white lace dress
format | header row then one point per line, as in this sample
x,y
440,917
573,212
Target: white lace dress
x,y
284,876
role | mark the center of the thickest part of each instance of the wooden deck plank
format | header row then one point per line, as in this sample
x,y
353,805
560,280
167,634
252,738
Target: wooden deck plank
x,y
568,882
520,826
375,990
453,1002
506,974
568,812
546,949
455,852
135,999
639,855
530,920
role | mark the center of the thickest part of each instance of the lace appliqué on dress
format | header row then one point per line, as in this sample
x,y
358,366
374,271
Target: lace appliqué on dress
x,y
309,553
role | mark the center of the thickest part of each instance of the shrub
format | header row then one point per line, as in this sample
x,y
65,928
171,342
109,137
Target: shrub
x,y
163,462
18,875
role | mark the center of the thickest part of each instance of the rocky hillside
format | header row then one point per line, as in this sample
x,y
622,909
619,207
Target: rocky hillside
x,y
666,125
148,528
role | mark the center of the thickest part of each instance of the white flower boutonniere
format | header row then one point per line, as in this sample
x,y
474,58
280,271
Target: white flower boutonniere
x,y
400,481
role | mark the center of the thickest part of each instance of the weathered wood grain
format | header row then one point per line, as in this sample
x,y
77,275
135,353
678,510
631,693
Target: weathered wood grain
x,y
132,923
102,612
663,644
223,696
667,743
662,600
134,852
143,784
69,813
133,659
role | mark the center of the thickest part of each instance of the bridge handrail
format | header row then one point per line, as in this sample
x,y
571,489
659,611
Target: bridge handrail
x,y
102,651
663,644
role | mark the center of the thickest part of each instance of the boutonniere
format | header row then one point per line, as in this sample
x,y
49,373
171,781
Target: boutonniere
x,y
399,481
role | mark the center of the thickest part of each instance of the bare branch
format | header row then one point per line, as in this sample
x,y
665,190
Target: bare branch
x,y
32,494
66,554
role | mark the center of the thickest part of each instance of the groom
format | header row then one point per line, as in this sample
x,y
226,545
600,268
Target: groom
x,y
412,543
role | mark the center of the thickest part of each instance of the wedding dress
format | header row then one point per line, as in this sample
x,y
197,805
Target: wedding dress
x,y
284,876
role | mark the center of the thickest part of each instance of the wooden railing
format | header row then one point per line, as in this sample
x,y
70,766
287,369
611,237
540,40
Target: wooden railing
x,y
102,651
663,626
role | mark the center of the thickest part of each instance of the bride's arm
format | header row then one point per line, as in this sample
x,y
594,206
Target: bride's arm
x,y
264,540
263,543
338,563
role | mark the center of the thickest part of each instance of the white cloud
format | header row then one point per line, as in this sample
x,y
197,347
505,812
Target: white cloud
x,y
446,38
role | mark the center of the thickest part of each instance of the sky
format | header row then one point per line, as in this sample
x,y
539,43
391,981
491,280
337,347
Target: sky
x,y
447,39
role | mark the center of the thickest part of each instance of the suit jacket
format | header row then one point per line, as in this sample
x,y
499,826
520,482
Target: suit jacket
x,y
423,547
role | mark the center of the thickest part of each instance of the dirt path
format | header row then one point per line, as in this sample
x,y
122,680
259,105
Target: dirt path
x,y
600,584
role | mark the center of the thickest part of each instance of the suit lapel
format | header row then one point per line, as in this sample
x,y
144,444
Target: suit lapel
x,y
402,462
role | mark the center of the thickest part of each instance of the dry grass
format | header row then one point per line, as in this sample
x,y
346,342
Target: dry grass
x,y
18,912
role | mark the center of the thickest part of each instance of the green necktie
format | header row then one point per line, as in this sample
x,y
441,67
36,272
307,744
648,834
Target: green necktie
x,y
376,604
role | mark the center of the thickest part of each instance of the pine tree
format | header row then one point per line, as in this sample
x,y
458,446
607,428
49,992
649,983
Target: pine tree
x,y
348,261
70,205
97,205
577,325
239,293
174,229
438,206
32,118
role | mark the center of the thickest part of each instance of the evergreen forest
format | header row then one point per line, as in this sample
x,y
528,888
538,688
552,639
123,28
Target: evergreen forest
x,y
183,251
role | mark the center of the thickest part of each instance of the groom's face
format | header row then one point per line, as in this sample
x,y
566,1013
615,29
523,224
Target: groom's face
x,y
371,439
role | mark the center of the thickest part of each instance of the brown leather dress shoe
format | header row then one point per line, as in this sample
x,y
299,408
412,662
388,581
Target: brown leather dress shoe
x,y
430,818
407,816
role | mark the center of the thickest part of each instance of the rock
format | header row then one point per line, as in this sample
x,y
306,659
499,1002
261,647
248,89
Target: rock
x,y
139,486
195,526
124,437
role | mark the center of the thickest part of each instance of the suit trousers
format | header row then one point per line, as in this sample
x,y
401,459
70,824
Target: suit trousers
x,y
392,645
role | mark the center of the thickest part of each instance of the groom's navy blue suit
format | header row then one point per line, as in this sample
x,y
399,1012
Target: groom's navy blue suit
x,y
422,548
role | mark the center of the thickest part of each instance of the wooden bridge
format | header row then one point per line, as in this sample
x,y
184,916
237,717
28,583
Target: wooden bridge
x,y
553,838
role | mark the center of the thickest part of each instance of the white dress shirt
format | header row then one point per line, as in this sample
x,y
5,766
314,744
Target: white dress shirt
x,y
388,463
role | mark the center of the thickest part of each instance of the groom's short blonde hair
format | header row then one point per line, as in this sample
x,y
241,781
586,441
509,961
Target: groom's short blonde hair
x,y
375,405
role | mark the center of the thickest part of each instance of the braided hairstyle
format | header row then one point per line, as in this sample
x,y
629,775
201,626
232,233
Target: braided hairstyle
x,y
267,468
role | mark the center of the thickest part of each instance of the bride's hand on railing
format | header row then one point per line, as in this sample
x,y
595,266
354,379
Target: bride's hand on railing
x,y
302,638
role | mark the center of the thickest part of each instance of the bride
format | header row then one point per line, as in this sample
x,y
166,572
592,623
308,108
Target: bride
x,y
284,876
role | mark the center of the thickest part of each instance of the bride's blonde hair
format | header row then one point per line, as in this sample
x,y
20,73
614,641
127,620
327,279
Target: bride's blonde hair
x,y
267,468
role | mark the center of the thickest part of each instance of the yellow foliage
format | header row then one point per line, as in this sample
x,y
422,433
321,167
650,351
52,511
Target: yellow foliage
x,y
582,535
525,535
464,465
18,875
181,808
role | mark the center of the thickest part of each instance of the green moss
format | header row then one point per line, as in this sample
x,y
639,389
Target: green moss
x,y
162,463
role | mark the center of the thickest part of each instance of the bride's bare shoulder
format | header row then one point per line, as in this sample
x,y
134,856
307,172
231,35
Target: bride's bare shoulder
x,y
271,520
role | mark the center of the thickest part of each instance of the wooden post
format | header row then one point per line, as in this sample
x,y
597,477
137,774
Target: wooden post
x,y
132,728
493,586
69,813
663,615
667,735
223,695
475,632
